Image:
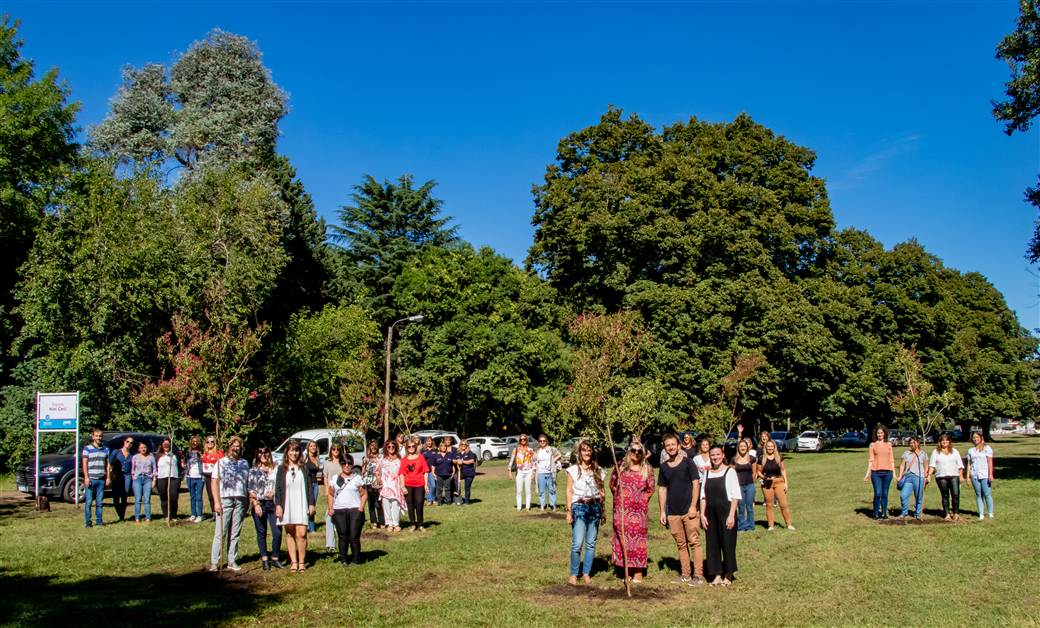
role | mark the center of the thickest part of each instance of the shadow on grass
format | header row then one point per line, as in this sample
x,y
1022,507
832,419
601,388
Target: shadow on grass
x,y
162,599
1015,468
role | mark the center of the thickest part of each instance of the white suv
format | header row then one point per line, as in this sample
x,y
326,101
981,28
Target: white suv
x,y
488,447
352,440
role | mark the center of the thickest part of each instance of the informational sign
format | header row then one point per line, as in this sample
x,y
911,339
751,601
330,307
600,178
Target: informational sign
x,y
58,412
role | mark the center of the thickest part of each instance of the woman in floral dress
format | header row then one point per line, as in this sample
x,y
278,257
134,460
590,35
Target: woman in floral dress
x,y
391,491
632,492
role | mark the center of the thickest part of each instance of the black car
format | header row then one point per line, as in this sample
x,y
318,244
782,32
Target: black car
x,y
57,472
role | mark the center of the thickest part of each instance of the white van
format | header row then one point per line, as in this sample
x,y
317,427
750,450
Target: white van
x,y
352,440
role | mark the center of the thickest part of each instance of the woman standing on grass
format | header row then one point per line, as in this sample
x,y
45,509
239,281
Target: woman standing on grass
x,y
142,470
333,465
632,491
880,464
947,468
413,473
913,471
720,493
193,473
121,460
210,457
312,465
744,466
347,496
262,479
702,460
294,504
980,470
522,463
373,481
771,468
392,486
466,461
584,510
429,451
167,479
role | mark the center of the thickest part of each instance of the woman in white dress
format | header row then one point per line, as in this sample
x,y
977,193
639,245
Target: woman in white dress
x,y
294,501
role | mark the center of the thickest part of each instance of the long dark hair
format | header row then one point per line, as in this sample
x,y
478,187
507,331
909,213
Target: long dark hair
x,y
293,444
881,428
342,458
260,451
597,473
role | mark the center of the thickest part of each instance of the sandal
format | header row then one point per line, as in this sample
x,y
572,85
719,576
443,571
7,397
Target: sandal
x,y
293,568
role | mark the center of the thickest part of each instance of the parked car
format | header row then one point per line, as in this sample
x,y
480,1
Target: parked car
x,y
352,440
853,439
513,441
811,441
488,447
57,471
567,450
830,438
785,441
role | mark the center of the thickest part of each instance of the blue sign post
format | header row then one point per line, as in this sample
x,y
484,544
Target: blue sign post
x,y
57,412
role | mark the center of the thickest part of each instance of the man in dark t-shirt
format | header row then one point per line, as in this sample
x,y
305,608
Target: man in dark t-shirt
x,y
678,491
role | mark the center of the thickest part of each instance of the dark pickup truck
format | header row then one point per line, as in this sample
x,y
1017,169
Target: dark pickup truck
x,y
57,471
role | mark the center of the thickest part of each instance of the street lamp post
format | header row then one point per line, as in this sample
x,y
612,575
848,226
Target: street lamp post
x,y
386,390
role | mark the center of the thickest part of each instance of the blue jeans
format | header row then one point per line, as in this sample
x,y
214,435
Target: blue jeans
x,y
746,508
195,496
431,488
143,494
881,481
583,532
267,521
912,485
310,518
96,492
547,484
983,490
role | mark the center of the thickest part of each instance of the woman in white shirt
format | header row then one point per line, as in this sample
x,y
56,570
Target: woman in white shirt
x,y
262,478
167,479
720,494
947,468
294,502
546,463
584,510
980,470
703,459
347,497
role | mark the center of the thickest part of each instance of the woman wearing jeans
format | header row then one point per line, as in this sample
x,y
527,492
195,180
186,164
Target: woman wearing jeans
x,y
584,510
947,468
142,470
193,472
880,464
913,472
980,470
372,481
261,501
744,466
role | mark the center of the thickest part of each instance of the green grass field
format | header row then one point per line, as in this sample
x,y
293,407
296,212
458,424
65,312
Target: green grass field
x,y
487,565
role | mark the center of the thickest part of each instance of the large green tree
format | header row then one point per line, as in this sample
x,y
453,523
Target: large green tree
x,y
36,150
1021,51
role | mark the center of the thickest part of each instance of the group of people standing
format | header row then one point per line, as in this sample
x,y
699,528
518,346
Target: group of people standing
x,y
917,469
697,490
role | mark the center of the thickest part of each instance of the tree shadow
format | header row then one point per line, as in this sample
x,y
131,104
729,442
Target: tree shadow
x,y
163,599
1015,468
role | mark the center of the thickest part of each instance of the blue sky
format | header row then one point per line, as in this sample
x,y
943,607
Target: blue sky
x,y
893,97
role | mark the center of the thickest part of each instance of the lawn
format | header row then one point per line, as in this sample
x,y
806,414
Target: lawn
x,y
485,564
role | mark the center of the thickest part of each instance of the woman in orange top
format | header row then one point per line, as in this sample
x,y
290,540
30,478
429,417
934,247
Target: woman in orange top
x,y
880,465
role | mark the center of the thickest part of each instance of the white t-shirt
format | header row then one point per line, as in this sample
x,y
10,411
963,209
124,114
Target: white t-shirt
x,y
347,495
732,484
703,463
979,462
166,466
945,464
584,483
543,460
232,476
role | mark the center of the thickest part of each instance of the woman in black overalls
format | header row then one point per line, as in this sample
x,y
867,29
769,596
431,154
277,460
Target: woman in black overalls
x,y
720,493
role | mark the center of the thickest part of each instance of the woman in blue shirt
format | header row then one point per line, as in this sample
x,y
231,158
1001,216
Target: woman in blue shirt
x,y
119,461
466,462
444,468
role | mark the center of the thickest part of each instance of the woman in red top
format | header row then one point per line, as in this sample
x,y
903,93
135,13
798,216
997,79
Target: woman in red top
x,y
210,456
414,469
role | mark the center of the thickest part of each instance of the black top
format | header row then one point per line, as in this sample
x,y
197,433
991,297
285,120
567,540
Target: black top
x,y
679,482
771,468
313,471
744,473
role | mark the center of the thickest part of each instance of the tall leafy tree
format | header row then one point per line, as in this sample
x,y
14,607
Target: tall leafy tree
x,y
36,151
1021,51
388,224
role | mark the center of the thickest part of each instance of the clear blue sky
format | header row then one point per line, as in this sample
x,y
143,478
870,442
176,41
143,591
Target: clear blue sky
x,y
893,97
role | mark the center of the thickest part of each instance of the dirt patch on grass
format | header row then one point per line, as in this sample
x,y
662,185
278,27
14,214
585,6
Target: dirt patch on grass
x,y
537,514
927,521
617,592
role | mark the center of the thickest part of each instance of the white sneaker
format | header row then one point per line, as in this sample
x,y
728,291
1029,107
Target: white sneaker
x,y
990,515
213,568
790,527
234,567
981,517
